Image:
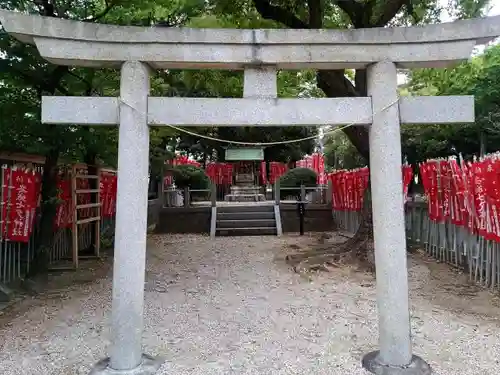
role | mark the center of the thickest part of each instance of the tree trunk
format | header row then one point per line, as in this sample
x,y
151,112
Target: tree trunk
x,y
45,234
361,244
333,84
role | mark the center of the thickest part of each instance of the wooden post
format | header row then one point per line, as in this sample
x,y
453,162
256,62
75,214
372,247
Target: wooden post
x,y
329,192
186,197
213,194
277,192
302,193
98,214
74,224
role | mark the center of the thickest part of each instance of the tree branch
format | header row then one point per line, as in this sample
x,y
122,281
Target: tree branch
x,y
45,8
54,83
315,14
89,90
335,84
278,14
332,82
109,5
391,8
360,80
173,21
41,85
353,9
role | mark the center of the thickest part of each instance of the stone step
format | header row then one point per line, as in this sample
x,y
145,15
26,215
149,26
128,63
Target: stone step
x,y
245,184
244,187
246,208
243,191
255,231
245,198
246,223
249,177
245,215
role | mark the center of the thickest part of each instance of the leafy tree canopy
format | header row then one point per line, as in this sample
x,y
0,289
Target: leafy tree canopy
x,y
479,77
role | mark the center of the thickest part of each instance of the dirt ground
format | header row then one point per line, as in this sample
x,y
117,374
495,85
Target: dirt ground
x,y
446,286
233,306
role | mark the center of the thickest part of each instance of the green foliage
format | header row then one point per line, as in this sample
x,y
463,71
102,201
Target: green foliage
x,y
157,157
479,77
341,154
297,177
26,76
190,176
214,84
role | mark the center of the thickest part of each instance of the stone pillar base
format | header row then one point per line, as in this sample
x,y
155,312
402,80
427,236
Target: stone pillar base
x,y
417,366
149,366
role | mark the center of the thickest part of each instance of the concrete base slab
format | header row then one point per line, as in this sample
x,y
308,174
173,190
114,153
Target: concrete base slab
x,y
5,293
417,366
149,366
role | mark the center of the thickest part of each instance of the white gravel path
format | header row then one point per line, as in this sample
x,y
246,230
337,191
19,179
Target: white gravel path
x,y
227,307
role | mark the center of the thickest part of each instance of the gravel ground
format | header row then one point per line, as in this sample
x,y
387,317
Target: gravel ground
x,y
230,307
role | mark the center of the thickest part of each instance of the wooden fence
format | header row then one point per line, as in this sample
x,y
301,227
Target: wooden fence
x,y
16,258
443,241
187,197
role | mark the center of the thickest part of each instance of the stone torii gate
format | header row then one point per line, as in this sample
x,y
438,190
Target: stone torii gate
x,y
259,53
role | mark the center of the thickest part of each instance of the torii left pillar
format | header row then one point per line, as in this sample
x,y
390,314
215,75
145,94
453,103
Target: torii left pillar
x,y
129,268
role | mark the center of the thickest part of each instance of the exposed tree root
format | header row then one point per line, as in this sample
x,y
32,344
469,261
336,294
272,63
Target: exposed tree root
x,y
294,259
356,250
317,262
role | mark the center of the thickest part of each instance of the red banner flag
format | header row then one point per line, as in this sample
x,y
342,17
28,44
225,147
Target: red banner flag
x,y
276,171
6,177
407,176
64,211
263,173
22,201
349,187
108,191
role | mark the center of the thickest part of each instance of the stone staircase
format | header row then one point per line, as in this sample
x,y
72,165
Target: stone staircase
x,y
243,220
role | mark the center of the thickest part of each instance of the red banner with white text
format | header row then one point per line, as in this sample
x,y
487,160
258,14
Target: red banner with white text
x,y
465,193
276,170
64,210
349,186
107,194
220,173
316,162
20,196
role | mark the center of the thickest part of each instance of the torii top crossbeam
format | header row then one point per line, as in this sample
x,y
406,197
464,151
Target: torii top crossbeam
x,y
75,43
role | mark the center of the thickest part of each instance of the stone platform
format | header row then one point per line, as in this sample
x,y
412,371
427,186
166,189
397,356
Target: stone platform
x,y
245,190
245,194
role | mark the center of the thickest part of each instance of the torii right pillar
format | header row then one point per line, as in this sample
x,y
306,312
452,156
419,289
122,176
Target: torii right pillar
x,y
394,356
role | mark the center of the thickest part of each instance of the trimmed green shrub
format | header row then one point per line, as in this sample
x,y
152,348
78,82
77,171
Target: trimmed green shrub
x,y
299,176
190,176
294,178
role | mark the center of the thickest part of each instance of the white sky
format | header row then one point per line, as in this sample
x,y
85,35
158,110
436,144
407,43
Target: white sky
x,y
494,11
